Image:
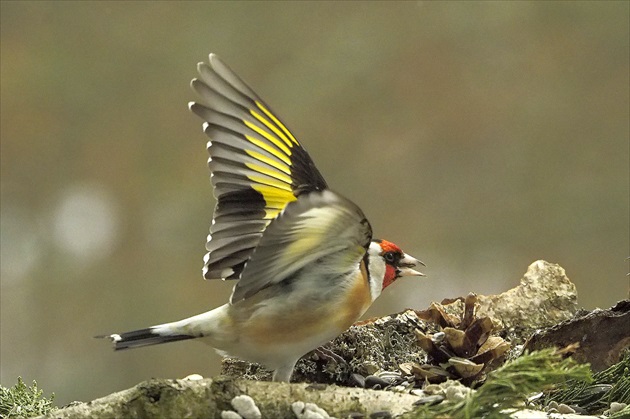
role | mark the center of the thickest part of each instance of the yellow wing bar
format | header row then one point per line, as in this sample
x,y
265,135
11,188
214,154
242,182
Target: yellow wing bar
x,y
257,166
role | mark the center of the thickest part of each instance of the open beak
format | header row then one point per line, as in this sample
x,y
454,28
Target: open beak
x,y
406,265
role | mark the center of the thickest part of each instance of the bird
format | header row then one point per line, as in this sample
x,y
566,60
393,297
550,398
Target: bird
x,y
305,262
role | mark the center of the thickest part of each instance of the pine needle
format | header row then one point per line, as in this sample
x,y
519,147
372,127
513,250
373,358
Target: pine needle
x,y
506,389
610,385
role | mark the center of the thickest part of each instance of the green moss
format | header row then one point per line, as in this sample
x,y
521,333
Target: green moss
x,y
21,401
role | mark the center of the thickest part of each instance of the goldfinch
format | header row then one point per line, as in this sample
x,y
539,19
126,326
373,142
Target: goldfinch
x,y
304,257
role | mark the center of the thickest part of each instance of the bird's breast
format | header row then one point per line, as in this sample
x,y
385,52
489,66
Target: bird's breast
x,y
299,315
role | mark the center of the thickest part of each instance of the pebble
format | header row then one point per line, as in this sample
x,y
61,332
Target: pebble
x,y
376,383
434,399
389,375
383,414
246,407
552,405
565,409
308,411
357,380
193,377
616,407
230,414
579,410
417,392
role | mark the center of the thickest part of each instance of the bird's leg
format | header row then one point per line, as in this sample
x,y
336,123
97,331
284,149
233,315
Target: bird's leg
x,y
284,372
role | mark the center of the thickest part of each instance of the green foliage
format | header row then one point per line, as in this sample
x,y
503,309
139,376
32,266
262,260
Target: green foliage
x,y
21,401
508,387
610,385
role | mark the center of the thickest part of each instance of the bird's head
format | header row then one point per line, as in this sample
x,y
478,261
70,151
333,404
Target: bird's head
x,y
386,263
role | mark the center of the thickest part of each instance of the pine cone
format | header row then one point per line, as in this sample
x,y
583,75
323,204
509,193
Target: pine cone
x,y
463,348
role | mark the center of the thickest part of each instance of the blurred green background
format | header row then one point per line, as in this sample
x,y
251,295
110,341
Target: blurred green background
x,y
478,136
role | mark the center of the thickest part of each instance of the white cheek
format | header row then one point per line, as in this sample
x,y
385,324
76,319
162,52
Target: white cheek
x,y
377,270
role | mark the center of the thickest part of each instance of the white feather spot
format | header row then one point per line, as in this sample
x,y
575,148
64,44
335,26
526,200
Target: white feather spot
x,y
115,337
227,272
190,105
205,126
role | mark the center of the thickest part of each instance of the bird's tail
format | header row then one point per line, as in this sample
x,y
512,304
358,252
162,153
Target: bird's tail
x,y
144,337
202,325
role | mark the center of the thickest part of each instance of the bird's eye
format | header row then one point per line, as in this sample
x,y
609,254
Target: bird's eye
x,y
391,257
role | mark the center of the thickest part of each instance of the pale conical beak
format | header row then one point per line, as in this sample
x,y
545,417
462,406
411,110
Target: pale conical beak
x,y
406,264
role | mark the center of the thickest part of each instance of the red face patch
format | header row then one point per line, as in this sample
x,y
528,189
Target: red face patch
x,y
390,270
390,276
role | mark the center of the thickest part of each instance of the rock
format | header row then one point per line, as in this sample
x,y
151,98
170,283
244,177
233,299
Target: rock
x,y
545,297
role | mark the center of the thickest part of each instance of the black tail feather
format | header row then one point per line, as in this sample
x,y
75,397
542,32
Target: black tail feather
x,y
142,337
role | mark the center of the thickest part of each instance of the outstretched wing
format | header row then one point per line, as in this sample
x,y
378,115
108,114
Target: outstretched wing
x,y
257,166
320,228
